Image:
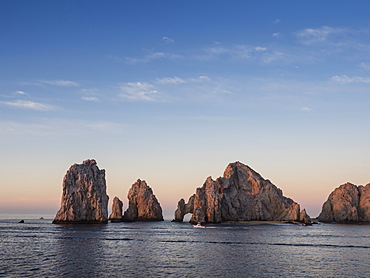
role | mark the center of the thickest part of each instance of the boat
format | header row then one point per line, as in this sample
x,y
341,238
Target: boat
x,y
199,225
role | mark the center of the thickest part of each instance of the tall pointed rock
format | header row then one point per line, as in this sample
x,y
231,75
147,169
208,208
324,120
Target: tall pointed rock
x,y
143,205
84,198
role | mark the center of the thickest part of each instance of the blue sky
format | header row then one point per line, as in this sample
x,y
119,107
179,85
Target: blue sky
x,y
172,91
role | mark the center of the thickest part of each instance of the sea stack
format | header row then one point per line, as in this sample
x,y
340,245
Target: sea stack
x,y
348,203
143,205
240,195
84,198
116,215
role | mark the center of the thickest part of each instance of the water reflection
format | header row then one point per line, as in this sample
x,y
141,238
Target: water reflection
x,y
79,250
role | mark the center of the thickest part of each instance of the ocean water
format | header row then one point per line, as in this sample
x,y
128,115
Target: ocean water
x,y
38,248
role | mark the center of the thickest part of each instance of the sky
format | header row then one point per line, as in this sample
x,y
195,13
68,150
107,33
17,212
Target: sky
x,y
171,92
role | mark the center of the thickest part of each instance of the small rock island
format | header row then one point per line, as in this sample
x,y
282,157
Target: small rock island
x,y
240,195
116,215
348,203
84,198
143,205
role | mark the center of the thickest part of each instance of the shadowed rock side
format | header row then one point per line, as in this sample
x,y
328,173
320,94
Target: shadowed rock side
x,y
143,205
241,195
347,204
84,198
116,215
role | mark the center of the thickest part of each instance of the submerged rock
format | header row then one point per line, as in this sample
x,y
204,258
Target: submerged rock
x,y
84,198
143,205
116,215
348,203
240,195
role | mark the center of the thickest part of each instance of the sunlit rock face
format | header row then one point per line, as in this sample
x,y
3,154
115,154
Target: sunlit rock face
x,y
84,198
116,215
143,205
241,195
347,203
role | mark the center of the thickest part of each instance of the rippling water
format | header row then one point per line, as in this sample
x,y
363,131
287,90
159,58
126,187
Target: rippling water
x,y
38,248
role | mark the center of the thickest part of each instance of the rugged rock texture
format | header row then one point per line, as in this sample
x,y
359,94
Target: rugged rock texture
x,y
116,215
84,198
240,195
143,205
347,204
183,208
304,218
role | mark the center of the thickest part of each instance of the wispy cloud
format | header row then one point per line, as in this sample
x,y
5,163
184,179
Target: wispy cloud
x,y
64,83
178,80
306,109
20,93
277,35
25,104
170,80
138,91
54,126
168,40
95,99
103,126
149,57
365,66
344,79
312,35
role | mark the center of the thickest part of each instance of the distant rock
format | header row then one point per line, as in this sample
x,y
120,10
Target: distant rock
x,y
348,203
143,205
240,195
84,198
116,215
304,218
21,221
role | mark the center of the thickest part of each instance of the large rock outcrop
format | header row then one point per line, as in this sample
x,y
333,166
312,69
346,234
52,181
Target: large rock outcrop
x,y
347,204
241,195
84,198
116,215
143,205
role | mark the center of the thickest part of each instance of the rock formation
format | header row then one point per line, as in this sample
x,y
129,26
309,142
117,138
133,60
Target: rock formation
x,y
347,204
116,215
240,195
304,217
143,205
183,209
84,198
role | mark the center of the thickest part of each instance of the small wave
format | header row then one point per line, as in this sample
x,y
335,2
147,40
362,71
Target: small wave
x,y
269,244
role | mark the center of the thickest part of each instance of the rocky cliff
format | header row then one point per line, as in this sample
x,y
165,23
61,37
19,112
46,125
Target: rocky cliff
x,y
84,198
116,215
240,195
143,205
347,204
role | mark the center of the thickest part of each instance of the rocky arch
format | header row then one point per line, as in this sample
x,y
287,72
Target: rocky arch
x,y
184,208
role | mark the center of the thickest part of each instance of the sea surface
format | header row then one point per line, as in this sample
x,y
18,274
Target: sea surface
x,y
38,248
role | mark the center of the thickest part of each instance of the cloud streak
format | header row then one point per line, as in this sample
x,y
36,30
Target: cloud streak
x,y
26,104
168,40
94,99
63,83
344,79
140,91
322,34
